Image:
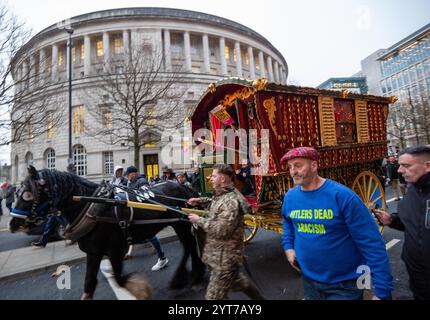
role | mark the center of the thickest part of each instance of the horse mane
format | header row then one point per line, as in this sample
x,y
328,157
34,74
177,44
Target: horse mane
x,y
62,186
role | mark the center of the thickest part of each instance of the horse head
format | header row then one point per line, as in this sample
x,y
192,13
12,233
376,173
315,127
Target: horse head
x,y
31,203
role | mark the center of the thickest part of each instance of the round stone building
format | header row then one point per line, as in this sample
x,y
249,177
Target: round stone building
x,y
205,48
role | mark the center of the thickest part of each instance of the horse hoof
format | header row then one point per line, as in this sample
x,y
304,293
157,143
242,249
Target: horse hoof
x,y
127,256
86,296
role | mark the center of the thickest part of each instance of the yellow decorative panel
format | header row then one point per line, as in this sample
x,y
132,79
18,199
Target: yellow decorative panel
x,y
327,121
362,121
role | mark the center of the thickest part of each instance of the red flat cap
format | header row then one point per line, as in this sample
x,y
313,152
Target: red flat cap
x,y
301,152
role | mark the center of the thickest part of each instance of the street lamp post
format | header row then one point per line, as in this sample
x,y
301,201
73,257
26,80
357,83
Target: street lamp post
x,y
71,165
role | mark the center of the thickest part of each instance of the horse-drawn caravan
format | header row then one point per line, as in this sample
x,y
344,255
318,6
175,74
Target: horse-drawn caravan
x,y
348,130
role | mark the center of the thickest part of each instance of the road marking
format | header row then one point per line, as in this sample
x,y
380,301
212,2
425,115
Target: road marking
x,y
391,244
120,293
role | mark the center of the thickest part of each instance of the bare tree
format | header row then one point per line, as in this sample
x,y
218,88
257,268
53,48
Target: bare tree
x,y
400,118
25,111
136,97
423,110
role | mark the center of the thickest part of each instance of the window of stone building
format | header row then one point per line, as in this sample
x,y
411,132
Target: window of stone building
x,y
117,45
50,129
80,160
245,57
213,48
29,159
151,116
147,50
176,43
227,53
108,162
196,46
50,159
30,132
107,119
256,63
74,54
99,48
60,57
82,48
78,119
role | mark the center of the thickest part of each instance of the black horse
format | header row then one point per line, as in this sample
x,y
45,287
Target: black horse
x,y
54,191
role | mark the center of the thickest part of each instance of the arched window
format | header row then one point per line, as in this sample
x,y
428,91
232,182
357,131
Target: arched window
x,y
50,159
80,159
29,159
16,168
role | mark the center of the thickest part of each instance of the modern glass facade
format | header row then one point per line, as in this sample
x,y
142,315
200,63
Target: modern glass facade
x,y
405,69
352,84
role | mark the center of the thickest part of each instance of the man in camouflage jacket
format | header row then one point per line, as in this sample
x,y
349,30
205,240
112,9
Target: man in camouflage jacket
x,y
223,251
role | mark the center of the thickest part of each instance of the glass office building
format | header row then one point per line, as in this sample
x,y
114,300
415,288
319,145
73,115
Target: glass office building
x,y
405,71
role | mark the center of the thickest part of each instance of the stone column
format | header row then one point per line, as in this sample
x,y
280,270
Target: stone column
x,y
187,51
277,79
25,75
87,55
251,62
222,56
270,68
238,59
54,62
106,48
126,42
167,51
206,54
32,71
261,60
42,65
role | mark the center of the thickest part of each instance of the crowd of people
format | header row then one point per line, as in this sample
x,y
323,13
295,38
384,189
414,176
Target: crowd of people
x,y
328,233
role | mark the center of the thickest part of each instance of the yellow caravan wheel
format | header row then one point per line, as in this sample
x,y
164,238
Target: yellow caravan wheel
x,y
368,187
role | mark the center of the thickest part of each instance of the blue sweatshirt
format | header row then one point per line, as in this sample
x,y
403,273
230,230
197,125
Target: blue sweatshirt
x,y
333,234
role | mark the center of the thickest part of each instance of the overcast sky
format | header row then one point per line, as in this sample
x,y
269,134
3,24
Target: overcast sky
x,y
319,39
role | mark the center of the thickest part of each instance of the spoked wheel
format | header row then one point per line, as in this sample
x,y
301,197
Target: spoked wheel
x,y
250,228
368,187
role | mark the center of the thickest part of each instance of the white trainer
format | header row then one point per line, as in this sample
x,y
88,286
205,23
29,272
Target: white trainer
x,y
161,263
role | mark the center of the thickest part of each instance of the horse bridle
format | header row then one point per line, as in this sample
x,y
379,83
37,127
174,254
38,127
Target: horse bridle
x,y
35,215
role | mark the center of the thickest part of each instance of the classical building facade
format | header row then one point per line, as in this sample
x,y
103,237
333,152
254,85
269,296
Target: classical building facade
x,y
206,47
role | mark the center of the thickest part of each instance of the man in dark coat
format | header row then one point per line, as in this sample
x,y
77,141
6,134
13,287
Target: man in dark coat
x,y
413,218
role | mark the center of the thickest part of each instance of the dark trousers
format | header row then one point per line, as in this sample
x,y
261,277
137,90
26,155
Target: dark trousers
x,y
419,283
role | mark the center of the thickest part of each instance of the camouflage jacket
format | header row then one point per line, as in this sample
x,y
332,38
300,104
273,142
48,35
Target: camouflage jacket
x,y
224,228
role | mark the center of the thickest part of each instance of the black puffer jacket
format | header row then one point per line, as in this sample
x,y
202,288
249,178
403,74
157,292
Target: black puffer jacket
x,y
414,219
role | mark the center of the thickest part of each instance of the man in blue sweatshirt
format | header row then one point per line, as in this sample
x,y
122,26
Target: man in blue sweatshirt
x,y
330,236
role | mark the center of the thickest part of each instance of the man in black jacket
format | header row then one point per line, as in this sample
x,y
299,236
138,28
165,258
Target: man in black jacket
x,y
413,218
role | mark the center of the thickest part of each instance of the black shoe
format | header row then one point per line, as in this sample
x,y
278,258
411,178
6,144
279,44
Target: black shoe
x,y
38,244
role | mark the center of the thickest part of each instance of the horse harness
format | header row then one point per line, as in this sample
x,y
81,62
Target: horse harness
x,y
87,220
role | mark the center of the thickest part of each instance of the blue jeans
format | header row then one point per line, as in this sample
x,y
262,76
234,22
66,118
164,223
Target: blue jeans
x,y
157,246
345,290
50,226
